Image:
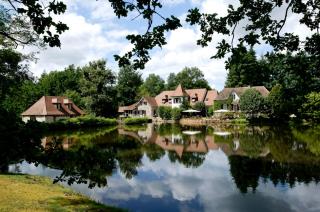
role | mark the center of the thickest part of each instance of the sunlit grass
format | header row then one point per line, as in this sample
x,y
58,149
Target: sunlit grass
x,y
33,193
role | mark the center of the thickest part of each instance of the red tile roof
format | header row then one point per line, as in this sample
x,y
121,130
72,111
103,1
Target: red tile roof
x,y
199,93
210,97
226,92
165,97
46,106
151,100
179,91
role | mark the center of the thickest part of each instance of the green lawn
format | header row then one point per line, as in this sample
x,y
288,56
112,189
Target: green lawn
x,y
34,193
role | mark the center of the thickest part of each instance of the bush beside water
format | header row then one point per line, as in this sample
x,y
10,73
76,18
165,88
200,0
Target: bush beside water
x,y
82,121
141,120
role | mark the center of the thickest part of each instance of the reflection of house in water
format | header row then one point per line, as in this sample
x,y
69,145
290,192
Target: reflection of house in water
x,y
192,144
65,142
141,135
174,142
236,145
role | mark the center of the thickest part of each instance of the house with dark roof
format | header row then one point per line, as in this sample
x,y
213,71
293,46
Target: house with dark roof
x,y
229,98
147,106
50,109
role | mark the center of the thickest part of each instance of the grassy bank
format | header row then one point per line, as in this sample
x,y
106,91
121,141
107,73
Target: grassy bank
x,y
141,120
34,193
82,122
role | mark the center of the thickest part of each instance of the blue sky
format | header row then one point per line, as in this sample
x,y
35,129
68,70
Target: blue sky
x,y
95,33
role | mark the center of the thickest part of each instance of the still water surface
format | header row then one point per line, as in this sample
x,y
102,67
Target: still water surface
x,y
175,168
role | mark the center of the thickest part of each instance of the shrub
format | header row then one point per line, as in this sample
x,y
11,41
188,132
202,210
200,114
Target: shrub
x,y
164,112
240,121
252,102
141,120
81,122
311,107
200,106
217,105
176,113
211,111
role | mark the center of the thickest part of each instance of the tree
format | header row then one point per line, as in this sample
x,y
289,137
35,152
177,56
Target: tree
x,y
176,113
252,102
152,86
200,106
277,102
171,82
261,25
298,76
22,22
245,70
98,88
311,108
164,112
189,78
12,71
21,97
185,104
56,83
129,81
75,97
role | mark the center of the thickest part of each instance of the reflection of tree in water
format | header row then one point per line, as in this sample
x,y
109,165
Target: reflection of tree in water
x,y
189,159
252,144
311,137
246,172
169,129
153,152
129,161
86,165
92,164
17,143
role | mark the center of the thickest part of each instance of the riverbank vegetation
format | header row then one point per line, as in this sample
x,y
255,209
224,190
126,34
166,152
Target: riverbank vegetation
x,y
133,121
34,193
81,122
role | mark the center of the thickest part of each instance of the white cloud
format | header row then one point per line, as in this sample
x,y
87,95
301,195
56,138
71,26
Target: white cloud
x,y
182,51
83,42
172,2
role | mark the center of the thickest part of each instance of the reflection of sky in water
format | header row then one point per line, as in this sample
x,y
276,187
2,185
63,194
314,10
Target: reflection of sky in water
x,y
165,186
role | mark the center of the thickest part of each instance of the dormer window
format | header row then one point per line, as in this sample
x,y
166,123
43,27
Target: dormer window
x,y
234,96
58,106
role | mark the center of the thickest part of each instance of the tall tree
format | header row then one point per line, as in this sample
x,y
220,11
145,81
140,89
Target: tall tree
x,y
245,70
152,86
261,25
12,71
188,78
252,102
171,82
98,88
297,74
56,83
129,81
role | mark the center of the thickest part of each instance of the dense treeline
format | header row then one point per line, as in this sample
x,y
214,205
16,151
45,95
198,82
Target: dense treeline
x,y
293,79
94,87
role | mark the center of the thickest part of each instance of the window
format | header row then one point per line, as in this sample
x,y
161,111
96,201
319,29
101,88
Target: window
x,y
58,106
145,103
177,100
234,96
207,99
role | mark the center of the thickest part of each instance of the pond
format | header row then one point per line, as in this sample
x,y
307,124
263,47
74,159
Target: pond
x,y
179,168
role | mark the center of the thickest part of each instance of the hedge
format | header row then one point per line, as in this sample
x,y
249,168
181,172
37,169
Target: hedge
x,y
81,122
141,120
